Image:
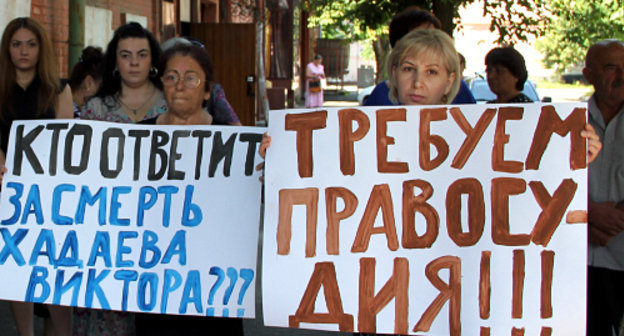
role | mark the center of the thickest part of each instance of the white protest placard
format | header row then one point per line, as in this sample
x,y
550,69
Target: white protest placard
x,y
131,217
437,220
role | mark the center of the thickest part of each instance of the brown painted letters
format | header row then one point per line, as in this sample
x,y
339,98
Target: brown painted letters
x,y
288,198
485,288
450,291
518,284
346,118
334,217
550,123
473,135
476,211
380,199
502,188
426,139
501,138
395,288
383,141
324,275
548,263
304,124
413,204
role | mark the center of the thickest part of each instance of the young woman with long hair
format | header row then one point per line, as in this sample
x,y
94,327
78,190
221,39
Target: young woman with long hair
x,y
130,92
131,87
30,88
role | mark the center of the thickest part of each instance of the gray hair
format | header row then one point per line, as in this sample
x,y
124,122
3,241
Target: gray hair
x,y
170,43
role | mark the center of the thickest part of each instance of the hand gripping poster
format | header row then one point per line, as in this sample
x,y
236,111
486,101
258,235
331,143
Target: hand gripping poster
x,y
131,217
436,220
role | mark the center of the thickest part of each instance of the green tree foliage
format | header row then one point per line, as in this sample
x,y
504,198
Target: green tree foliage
x,y
357,20
575,26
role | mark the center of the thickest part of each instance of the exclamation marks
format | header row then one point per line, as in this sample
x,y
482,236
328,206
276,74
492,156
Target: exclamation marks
x,y
548,261
517,283
518,277
546,311
485,290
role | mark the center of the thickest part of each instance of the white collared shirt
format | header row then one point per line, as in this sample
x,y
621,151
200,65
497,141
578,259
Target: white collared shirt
x,y
606,182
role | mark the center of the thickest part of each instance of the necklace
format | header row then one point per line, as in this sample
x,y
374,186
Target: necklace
x,y
136,110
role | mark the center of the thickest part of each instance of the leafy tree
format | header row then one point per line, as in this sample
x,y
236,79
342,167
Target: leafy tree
x,y
575,26
357,20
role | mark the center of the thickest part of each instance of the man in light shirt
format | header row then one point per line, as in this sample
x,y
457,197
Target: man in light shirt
x,y
604,69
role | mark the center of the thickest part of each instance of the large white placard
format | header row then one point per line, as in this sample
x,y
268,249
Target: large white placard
x,y
131,217
439,220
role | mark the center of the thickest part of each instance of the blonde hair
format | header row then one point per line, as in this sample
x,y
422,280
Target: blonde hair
x,y
420,41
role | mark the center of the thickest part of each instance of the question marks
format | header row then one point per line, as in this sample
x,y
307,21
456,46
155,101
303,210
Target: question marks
x,y
233,275
220,275
246,274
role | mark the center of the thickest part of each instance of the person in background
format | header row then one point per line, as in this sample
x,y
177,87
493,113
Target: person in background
x,y
462,65
315,71
219,108
506,74
130,90
86,77
30,88
423,69
187,76
604,69
410,19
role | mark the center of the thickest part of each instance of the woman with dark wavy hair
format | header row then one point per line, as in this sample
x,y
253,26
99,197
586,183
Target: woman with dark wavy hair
x,y
131,88
30,88
130,92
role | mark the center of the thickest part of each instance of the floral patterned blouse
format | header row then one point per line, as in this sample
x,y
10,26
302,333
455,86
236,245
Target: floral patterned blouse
x,y
109,109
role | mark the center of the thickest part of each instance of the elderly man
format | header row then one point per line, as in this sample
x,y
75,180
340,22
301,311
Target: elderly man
x,y
604,69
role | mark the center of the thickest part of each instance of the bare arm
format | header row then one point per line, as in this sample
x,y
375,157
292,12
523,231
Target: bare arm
x,y
65,104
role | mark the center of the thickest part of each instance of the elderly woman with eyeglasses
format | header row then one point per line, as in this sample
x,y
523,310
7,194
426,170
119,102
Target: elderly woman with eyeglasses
x,y
187,75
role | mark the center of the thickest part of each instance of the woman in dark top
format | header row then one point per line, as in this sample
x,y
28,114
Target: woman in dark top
x,y
506,74
30,89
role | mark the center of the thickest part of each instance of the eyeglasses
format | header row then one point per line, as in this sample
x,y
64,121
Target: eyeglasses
x,y
172,78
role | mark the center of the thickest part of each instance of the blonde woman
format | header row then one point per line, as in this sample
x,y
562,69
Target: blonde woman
x,y
424,68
